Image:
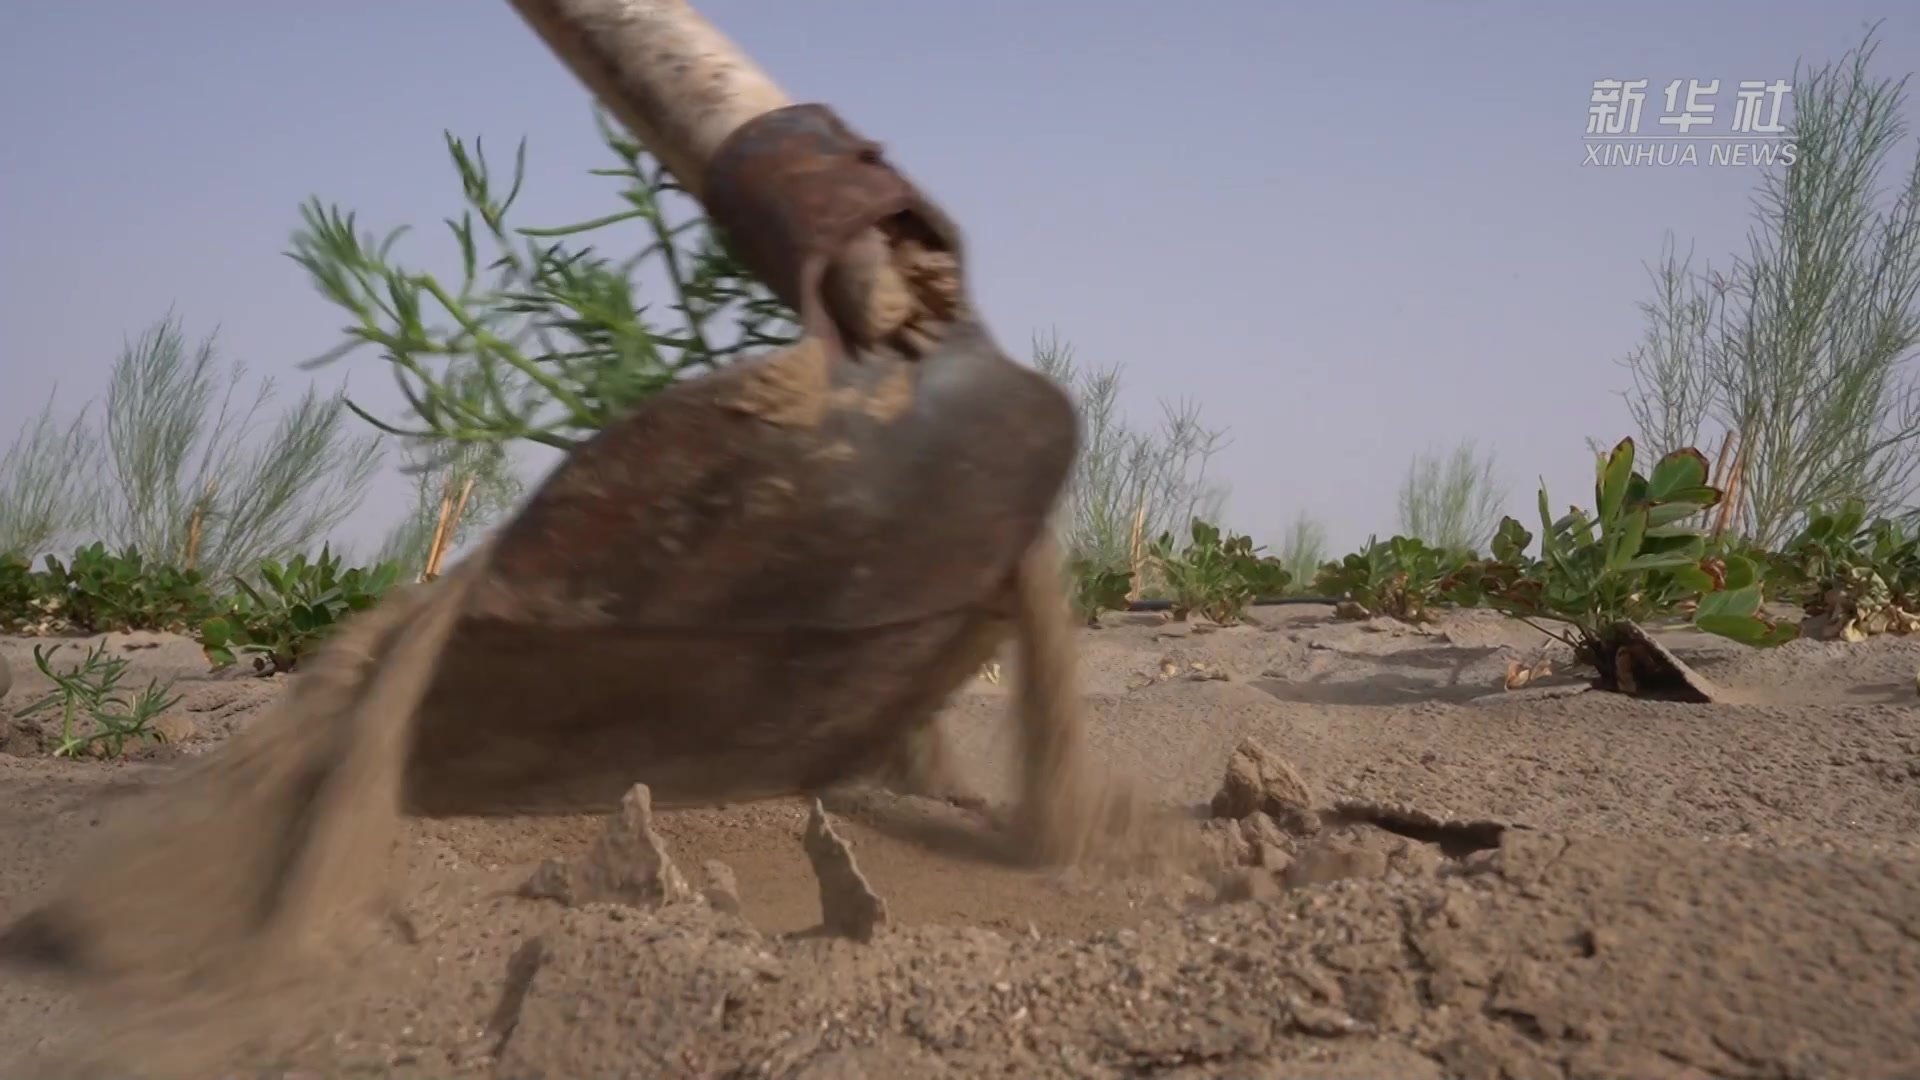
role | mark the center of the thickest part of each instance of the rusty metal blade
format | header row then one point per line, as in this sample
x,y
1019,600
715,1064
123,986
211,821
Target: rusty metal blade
x,y
754,584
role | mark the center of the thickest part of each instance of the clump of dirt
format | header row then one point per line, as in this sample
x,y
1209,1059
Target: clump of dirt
x,y
723,888
628,864
848,905
1257,782
1270,836
1255,840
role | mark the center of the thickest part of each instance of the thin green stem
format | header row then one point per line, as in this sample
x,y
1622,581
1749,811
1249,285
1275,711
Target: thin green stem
x,y
585,226
485,340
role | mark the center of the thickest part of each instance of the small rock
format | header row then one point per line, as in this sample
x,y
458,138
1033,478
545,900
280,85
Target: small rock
x,y
1268,845
1338,858
628,864
1481,862
1273,859
723,890
1248,884
1521,674
1199,671
1257,782
1412,858
848,905
1323,1021
174,728
1258,828
1227,843
6,677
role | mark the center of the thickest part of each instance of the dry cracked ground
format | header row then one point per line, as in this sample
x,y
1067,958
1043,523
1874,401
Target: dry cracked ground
x,y
1397,869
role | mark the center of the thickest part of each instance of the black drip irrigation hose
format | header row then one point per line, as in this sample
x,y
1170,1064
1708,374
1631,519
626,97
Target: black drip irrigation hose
x,y
1264,601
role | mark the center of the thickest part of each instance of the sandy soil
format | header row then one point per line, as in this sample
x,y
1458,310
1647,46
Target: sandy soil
x,y
1678,890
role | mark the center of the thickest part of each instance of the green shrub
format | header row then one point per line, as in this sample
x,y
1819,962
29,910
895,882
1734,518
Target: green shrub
x,y
23,599
275,620
100,591
1216,576
298,605
1098,588
1403,578
1854,579
1635,558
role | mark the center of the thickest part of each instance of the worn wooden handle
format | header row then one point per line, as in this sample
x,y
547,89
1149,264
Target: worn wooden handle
x,y
682,87
671,77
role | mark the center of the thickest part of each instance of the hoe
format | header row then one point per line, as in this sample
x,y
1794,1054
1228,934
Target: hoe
x,y
762,582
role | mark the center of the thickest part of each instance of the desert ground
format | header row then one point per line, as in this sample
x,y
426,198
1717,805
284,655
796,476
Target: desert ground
x,y
1430,876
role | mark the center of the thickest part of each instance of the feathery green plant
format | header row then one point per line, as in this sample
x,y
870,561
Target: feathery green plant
x,y
91,691
1303,552
538,341
1801,352
1128,482
188,484
46,484
1452,504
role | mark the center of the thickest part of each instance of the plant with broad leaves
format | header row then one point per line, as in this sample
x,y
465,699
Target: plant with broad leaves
x,y
1098,588
1730,544
25,594
1216,576
101,590
1853,578
300,603
92,691
1402,578
1635,558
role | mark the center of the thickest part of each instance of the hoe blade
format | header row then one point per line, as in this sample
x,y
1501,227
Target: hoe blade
x,y
755,584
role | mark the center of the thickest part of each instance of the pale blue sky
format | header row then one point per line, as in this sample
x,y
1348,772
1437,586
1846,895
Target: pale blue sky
x,y
1349,231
